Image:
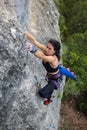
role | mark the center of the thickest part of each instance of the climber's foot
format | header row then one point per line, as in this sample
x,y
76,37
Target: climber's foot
x,y
47,102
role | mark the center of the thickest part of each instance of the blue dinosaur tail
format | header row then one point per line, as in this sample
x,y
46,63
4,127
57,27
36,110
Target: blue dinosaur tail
x,y
66,72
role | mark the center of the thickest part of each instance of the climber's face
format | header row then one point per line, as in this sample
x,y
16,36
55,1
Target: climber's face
x,y
50,50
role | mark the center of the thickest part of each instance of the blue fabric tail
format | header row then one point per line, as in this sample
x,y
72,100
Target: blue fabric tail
x,y
66,72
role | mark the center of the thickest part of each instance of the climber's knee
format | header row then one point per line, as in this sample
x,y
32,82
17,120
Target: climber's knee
x,y
40,94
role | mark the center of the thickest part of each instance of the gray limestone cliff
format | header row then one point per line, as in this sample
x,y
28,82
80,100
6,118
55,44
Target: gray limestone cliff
x,y
22,74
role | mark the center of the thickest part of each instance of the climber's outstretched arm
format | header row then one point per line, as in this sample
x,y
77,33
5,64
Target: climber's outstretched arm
x,y
41,55
35,42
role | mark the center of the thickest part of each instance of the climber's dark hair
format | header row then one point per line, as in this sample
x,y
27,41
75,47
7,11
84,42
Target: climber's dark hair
x,y
57,46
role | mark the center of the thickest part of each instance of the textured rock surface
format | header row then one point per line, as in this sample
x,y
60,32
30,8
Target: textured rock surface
x,y
20,106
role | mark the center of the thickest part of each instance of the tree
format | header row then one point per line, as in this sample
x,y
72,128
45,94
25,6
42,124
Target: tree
x,y
73,25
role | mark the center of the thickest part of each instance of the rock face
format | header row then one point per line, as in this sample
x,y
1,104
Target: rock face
x,y
21,74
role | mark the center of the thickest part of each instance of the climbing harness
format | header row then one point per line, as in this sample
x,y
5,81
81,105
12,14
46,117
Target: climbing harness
x,y
55,79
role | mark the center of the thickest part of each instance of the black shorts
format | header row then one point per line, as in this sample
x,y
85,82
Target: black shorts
x,y
47,91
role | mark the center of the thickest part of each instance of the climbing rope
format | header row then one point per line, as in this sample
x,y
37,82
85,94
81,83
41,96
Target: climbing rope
x,y
36,79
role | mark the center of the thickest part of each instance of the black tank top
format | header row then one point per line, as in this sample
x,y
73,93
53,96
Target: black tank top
x,y
48,68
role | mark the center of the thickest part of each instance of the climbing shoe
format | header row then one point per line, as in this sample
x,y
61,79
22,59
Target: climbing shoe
x,y
47,102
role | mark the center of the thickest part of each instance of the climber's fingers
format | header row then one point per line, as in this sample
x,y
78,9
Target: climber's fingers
x,y
28,46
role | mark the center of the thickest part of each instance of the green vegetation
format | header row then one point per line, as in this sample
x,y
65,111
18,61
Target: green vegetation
x,y
73,27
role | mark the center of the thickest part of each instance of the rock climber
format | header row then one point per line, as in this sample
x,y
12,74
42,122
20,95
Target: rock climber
x,y
50,56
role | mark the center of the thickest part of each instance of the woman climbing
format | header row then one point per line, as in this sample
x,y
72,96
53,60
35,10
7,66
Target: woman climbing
x,y
50,56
